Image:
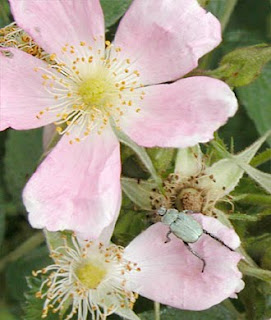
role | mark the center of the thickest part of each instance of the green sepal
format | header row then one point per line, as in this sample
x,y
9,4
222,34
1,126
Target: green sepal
x,y
138,191
162,159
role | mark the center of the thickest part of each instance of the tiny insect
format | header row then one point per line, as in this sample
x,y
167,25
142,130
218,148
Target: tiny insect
x,y
186,228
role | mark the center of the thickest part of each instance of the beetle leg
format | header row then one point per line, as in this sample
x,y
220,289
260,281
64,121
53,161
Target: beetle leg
x,y
196,254
167,236
217,239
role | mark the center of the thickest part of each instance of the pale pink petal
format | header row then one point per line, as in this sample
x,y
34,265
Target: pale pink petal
x,y
164,39
180,114
172,275
77,187
53,23
22,94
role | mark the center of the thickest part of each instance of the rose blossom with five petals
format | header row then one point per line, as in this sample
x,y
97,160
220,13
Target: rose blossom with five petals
x,y
92,83
103,278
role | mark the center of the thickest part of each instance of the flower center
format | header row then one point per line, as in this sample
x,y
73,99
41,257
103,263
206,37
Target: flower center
x,y
189,199
90,274
93,91
91,277
90,85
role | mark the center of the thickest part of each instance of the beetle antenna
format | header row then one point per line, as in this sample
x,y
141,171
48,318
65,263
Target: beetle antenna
x,y
217,239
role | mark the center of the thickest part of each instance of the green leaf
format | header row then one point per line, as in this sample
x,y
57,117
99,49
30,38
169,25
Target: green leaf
x,y
2,218
242,66
253,300
222,9
5,314
4,13
219,312
254,199
129,225
243,217
113,10
262,178
256,98
23,267
261,158
23,150
138,191
33,306
162,159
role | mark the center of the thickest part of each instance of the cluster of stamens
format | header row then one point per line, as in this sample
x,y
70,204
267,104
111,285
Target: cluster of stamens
x,y
89,278
12,36
92,85
187,193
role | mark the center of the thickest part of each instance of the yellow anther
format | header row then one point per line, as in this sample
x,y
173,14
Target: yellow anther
x,y
52,56
107,43
128,61
82,43
45,77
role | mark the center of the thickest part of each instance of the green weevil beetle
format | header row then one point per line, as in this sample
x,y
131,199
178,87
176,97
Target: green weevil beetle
x,y
186,228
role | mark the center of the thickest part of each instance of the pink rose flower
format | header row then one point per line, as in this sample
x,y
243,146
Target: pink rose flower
x,y
103,278
90,85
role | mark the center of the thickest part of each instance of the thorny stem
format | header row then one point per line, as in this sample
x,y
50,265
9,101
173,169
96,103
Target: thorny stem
x,y
30,244
156,310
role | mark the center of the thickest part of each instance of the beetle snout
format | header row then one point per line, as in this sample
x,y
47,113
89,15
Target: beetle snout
x,y
162,211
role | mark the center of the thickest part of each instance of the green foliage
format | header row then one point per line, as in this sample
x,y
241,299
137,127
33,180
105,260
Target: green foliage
x,y
163,159
20,269
255,300
242,66
220,312
138,191
129,225
33,306
113,10
23,150
6,315
4,13
2,226
256,99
